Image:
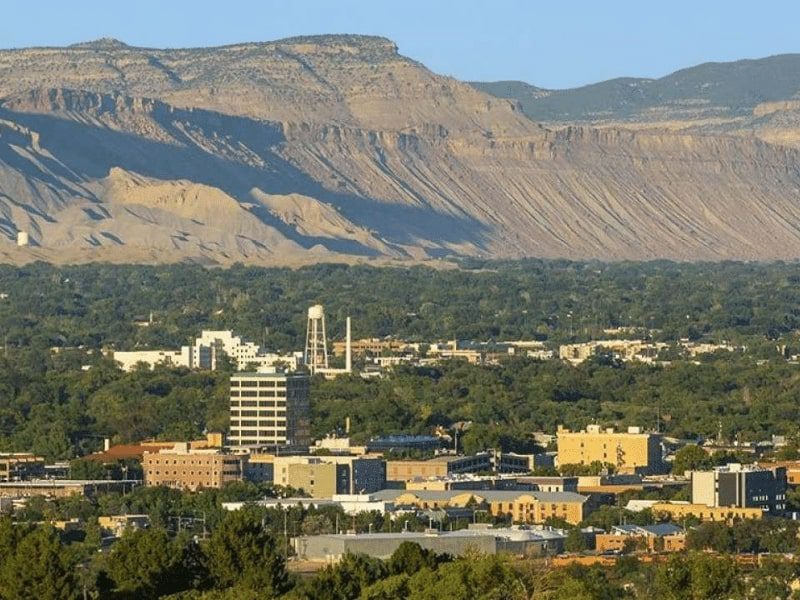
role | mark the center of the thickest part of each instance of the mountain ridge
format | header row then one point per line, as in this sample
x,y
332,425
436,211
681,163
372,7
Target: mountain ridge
x,y
344,150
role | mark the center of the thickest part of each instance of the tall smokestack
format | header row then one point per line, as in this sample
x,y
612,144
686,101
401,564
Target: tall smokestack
x,y
348,352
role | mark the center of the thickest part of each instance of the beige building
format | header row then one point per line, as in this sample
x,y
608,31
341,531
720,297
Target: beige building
x,y
371,346
186,469
17,466
521,506
326,476
440,466
269,409
629,452
679,510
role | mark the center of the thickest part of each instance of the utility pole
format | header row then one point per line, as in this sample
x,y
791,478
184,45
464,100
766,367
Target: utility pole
x,y
286,532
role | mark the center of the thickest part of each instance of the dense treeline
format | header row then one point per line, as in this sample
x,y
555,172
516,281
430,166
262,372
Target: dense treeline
x,y
97,305
241,558
728,393
50,406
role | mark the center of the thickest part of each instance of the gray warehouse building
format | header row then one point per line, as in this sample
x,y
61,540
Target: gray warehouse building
x,y
539,541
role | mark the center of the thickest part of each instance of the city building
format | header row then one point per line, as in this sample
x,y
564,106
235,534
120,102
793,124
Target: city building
x,y
185,469
327,476
206,353
63,488
440,466
351,504
399,443
116,525
741,486
370,347
662,537
20,465
551,484
483,540
521,505
633,451
681,510
269,409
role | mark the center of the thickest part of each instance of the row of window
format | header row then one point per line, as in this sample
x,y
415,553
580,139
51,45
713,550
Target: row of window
x,y
259,403
257,413
257,394
258,423
265,433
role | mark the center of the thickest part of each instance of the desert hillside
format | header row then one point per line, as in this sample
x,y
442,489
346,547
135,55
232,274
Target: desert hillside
x,y
339,148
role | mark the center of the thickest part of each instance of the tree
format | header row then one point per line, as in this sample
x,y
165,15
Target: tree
x,y
241,554
410,557
146,564
690,458
575,541
39,568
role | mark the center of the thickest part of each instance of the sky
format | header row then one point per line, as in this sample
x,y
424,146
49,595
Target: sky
x,y
552,44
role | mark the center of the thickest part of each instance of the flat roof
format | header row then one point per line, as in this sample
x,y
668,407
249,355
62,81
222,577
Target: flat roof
x,y
64,482
488,495
258,374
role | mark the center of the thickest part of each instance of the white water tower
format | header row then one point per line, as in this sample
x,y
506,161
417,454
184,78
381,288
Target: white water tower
x,y
316,355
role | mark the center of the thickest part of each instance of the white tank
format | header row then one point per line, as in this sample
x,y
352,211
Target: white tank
x,y
22,238
316,312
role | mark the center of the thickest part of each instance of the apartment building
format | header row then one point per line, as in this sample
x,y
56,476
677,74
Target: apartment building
x,y
269,409
185,469
741,486
633,451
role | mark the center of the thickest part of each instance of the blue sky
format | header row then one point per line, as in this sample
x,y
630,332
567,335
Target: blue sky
x,y
558,43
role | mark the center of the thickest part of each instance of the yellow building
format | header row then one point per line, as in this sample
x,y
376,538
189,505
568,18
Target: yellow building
x,y
325,476
521,506
680,510
629,452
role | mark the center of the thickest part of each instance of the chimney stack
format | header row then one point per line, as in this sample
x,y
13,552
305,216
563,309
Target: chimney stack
x,y
348,359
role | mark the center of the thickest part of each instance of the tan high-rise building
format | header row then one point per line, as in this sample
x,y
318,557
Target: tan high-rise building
x,y
269,409
629,452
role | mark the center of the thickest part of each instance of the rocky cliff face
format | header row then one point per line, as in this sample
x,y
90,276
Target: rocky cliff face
x,y
338,148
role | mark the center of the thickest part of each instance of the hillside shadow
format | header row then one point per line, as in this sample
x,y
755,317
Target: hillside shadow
x,y
89,152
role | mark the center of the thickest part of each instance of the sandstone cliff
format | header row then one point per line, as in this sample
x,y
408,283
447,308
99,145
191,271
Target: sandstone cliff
x,y
339,148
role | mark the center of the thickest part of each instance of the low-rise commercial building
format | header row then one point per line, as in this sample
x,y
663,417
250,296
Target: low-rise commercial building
x,y
663,537
185,469
517,541
440,466
351,504
633,451
550,484
741,486
521,506
681,510
63,488
325,476
20,465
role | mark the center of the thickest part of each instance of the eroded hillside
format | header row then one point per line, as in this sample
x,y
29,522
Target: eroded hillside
x,y
339,148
